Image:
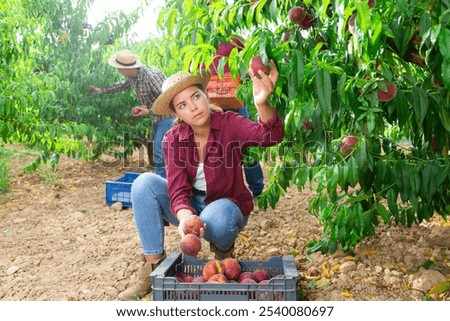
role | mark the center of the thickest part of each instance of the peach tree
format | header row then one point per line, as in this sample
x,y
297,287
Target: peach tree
x,y
364,94
50,55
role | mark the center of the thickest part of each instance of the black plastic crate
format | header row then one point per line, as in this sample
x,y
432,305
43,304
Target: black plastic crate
x,y
120,189
282,286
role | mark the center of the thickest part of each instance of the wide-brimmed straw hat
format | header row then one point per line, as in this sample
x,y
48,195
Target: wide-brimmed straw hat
x,y
175,84
125,59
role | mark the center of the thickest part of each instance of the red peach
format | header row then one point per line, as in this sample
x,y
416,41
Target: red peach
x,y
180,277
247,275
347,143
306,124
199,279
295,14
389,94
261,274
307,21
232,268
256,64
218,278
247,280
188,278
190,245
135,111
286,34
212,267
193,225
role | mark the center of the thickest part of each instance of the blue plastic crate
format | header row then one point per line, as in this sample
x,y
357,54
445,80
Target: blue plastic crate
x,y
282,286
120,189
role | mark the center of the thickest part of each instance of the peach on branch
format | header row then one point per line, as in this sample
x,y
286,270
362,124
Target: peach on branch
x,y
307,21
389,93
256,64
295,14
347,144
286,34
300,17
306,124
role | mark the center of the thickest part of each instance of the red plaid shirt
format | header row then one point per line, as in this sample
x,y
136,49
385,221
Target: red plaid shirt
x,y
230,134
147,86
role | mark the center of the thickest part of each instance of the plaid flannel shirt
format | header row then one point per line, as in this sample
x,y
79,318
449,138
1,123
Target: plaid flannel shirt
x,y
147,86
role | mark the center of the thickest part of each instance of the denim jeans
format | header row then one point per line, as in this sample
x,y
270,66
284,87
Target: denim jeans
x,y
151,207
253,172
159,130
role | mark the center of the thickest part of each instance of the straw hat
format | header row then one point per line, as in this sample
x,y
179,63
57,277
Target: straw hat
x,y
175,84
125,59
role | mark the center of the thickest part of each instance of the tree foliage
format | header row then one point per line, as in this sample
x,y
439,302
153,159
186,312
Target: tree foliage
x,y
51,55
329,88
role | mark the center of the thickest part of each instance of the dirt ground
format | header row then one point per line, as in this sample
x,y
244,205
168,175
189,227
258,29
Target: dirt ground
x,y
59,241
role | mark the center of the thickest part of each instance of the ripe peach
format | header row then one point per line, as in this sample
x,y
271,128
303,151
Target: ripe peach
x,y
135,111
247,280
389,94
232,268
286,34
247,275
180,277
190,245
218,278
306,124
193,225
199,279
307,21
295,14
256,64
188,278
212,267
261,275
347,144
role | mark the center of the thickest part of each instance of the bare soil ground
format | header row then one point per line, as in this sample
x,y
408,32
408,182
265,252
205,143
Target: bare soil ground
x,y
59,241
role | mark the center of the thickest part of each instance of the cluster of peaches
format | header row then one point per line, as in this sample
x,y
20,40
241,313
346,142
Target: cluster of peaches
x,y
227,270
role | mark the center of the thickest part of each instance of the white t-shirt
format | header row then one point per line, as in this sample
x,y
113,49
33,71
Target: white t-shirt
x,y
200,181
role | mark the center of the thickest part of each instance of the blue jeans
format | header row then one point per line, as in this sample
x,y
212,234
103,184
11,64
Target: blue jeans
x,y
151,207
253,172
159,130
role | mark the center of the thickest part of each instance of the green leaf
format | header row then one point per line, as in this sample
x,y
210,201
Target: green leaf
x,y
420,103
382,211
403,180
392,202
353,172
440,287
323,88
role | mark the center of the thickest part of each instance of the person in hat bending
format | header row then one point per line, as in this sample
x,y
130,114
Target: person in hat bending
x,y
203,157
146,83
